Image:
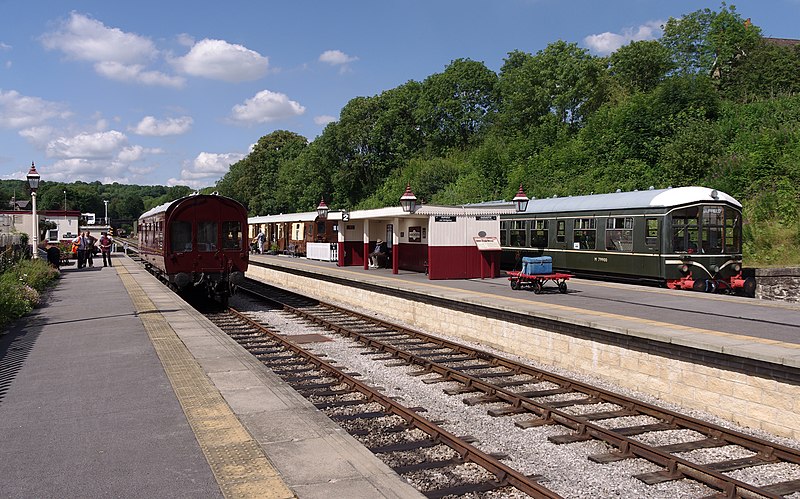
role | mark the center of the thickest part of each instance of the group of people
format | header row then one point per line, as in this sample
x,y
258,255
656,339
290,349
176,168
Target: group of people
x,y
86,246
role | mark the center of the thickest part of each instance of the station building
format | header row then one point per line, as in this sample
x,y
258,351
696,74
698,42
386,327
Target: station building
x,y
445,242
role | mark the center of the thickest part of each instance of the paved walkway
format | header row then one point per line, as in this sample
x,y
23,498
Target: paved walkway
x,y
116,388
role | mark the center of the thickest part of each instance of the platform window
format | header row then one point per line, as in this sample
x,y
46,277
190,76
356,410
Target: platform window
x,y
651,234
52,235
619,234
504,232
206,236
584,233
685,230
517,233
180,236
733,231
539,233
231,235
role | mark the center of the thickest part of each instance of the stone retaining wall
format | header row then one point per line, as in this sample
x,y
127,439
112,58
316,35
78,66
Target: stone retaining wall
x,y
750,401
778,284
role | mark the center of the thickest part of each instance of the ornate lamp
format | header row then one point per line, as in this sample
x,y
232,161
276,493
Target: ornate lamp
x,y
521,200
408,200
322,209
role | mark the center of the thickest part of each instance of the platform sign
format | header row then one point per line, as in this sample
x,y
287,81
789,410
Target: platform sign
x,y
448,218
487,243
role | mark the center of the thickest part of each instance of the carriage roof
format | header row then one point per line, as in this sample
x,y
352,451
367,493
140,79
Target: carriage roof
x,y
652,198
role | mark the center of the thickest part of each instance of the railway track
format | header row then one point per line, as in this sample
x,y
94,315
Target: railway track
x,y
440,463
536,398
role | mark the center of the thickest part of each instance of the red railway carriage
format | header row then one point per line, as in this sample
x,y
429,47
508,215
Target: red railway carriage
x,y
196,243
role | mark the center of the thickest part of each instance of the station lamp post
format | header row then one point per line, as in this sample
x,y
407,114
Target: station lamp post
x,y
408,200
322,209
33,182
521,200
105,201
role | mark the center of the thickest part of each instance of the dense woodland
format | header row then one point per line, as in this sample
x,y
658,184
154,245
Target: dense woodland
x,y
711,103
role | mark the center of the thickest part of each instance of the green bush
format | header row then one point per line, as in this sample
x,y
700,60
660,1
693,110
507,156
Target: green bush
x,y
21,286
35,273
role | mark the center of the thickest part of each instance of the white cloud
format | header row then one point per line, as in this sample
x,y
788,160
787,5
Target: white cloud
x,y
4,46
136,73
19,111
87,145
266,106
205,169
83,38
171,126
336,58
606,43
116,55
220,60
324,119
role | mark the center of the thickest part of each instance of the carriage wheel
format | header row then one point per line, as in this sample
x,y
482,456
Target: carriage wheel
x,y
514,284
562,286
537,286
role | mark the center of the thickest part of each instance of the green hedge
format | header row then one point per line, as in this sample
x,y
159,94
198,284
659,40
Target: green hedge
x,y
21,286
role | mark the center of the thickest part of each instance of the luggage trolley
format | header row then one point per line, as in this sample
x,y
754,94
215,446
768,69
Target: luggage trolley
x,y
536,271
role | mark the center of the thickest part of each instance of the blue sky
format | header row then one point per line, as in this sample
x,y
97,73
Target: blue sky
x,y
166,93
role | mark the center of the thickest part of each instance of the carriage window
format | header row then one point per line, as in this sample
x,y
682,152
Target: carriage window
x,y
619,234
584,234
733,231
561,231
504,232
685,230
651,236
517,233
206,236
713,228
539,233
180,236
231,235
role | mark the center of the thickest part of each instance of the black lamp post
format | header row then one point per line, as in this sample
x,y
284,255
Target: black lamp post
x,y
33,182
521,200
408,200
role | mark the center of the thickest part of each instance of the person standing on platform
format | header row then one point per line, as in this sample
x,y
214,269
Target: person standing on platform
x,y
91,248
82,243
105,248
260,240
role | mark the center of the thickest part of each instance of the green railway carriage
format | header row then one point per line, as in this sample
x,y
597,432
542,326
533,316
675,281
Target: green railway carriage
x,y
686,237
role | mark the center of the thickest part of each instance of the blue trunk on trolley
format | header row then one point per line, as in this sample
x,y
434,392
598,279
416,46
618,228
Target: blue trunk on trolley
x,y
532,265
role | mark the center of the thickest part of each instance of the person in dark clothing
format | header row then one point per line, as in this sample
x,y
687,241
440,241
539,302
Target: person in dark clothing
x,y
105,248
53,256
379,257
91,248
82,243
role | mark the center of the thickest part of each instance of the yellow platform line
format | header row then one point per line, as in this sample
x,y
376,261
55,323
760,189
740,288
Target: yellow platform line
x,y
240,467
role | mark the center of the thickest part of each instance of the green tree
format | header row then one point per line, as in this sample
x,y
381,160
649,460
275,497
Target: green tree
x,y
709,42
641,66
456,105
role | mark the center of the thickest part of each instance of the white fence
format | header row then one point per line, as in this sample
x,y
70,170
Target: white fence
x,y
327,252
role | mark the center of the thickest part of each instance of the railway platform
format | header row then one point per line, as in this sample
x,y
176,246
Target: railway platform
x,y
115,387
734,357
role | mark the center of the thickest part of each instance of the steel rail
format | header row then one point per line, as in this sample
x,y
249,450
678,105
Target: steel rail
x,y
503,473
675,467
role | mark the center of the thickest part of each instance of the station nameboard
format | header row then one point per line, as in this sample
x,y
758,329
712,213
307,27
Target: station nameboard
x,y
448,218
487,243
485,217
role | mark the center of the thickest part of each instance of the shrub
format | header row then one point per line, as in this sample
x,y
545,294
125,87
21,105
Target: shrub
x,y
35,273
12,300
21,286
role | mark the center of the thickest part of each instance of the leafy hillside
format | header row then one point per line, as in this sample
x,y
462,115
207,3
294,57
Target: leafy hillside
x,y
712,103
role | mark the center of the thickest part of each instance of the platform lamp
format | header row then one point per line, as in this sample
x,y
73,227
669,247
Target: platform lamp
x,y
521,200
408,200
33,182
322,208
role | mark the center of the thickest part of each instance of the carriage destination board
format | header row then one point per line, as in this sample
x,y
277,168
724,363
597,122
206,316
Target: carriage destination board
x,y
487,243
